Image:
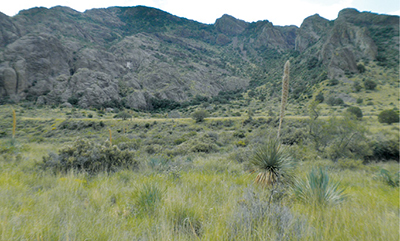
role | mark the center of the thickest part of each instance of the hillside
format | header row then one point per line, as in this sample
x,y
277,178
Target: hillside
x,y
145,58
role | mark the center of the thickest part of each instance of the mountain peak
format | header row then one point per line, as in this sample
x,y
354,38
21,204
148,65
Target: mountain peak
x,y
230,25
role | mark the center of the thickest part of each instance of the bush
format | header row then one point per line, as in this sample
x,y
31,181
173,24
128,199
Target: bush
x,y
388,116
361,68
199,115
356,86
332,101
369,84
385,149
355,111
319,98
333,82
123,115
254,214
86,156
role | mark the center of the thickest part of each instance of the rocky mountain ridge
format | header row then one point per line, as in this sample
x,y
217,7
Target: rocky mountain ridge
x,y
131,56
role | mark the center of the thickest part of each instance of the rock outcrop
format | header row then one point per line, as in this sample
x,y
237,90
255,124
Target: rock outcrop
x,y
129,56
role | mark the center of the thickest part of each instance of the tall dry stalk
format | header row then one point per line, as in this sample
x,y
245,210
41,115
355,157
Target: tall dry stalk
x,y
109,130
14,124
285,93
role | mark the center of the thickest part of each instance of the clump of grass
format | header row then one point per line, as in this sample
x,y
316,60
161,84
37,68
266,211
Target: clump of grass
x,y
274,163
149,197
388,178
186,221
318,190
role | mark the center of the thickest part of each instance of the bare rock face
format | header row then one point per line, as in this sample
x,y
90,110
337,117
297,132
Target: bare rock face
x,y
92,88
311,30
342,43
8,32
230,26
129,56
8,81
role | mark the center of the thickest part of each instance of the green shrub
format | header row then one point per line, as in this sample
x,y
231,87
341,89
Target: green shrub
x,y
369,84
241,143
320,97
385,149
86,156
199,115
350,164
239,134
332,101
333,82
203,147
355,111
179,141
356,86
361,68
123,115
388,116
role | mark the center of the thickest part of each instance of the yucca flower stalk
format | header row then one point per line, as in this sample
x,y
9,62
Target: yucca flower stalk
x,y
109,130
285,93
14,124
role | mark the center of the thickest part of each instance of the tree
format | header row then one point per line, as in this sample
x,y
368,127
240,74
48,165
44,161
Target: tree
x,y
388,116
336,137
355,111
199,115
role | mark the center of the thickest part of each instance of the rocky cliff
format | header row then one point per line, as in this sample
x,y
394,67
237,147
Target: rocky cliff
x,y
132,55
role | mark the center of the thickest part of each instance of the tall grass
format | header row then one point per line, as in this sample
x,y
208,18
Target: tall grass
x,y
213,199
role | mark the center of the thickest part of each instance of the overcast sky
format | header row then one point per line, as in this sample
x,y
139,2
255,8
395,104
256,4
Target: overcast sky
x,y
279,12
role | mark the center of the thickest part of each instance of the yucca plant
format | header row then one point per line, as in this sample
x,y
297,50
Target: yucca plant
x,y
273,162
317,189
388,178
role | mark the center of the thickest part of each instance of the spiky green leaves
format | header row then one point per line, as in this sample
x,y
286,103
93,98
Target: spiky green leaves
x,y
273,162
317,189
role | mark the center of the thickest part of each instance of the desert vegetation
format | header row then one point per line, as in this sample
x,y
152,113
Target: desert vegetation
x,y
248,169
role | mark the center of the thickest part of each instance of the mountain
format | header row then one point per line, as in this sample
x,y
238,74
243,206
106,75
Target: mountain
x,y
138,56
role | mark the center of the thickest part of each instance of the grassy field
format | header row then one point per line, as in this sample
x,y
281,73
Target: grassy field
x,y
193,182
